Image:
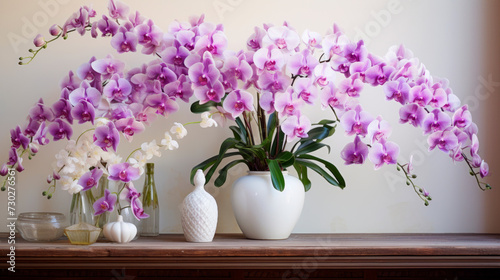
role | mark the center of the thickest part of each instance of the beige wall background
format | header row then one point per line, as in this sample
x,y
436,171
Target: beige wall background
x,y
454,39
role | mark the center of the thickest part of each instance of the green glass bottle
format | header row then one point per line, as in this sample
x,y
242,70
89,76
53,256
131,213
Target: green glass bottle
x,y
151,225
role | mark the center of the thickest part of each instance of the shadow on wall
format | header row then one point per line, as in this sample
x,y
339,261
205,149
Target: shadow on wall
x,y
489,95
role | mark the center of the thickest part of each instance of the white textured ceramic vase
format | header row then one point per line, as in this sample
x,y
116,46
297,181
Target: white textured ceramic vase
x,y
199,212
261,211
120,231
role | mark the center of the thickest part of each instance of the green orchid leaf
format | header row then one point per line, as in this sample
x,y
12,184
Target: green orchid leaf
x,y
271,124
207,163
221,179
276,175
229,143
325,121
237,134
316,168
302,173
332,168
284,156
198,108
309,147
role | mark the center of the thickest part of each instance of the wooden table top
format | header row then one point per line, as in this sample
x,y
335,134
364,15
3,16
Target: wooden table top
x,y
233,250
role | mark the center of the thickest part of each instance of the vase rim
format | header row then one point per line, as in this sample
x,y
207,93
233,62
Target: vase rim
x,y
285,172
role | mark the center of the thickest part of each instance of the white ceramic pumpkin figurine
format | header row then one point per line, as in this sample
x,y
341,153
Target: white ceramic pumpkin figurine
x,y
199,212
120,231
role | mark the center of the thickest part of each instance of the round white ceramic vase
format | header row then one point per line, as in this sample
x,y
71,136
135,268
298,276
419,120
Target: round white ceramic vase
x,y
199,212
261,211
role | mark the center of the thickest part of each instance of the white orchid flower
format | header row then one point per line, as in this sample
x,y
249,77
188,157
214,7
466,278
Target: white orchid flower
x,y
179,130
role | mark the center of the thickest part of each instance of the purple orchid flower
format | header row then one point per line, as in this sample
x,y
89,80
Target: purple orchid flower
x,y
90,179
107,26
398,90
85,72
118,89
335,43
124,41
439,97
163,103
474,147
452,104
179,89
384,152
204,73
378,74
129,192
31,127
186,38
105,203
311,39
41,135
445,140
351,86
129,127
150,36
137,209
412,113
436,121
331,97
136,19
70,82
214,93
355,52
266,102
175,54
40,112
18,139
420,95
302,63
355,152
287,104
462,117
162,73
211,40
13,156
254,42
107,67
356,121
238,68
283,37
323,74
60,130
359,68
484,169
87,93
119,111
118,10
379,130
269,59
237,102
83,112
123,172
295,126
273,82
306,90
107,136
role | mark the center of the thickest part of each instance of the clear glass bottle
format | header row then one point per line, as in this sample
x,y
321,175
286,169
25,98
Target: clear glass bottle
x,y
82,210
151,225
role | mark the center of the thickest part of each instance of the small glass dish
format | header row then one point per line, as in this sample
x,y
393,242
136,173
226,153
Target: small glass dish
x,y
41,226
82,234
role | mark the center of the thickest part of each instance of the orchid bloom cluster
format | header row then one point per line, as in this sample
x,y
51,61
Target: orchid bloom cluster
x,y
287,72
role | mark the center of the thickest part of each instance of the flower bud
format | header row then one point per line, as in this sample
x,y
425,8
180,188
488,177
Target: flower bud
x,y
44,193
39,41
56,175
4,170
55,30
49,196
49,179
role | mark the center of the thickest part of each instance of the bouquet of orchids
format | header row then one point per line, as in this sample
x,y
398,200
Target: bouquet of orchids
x,y
263,89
